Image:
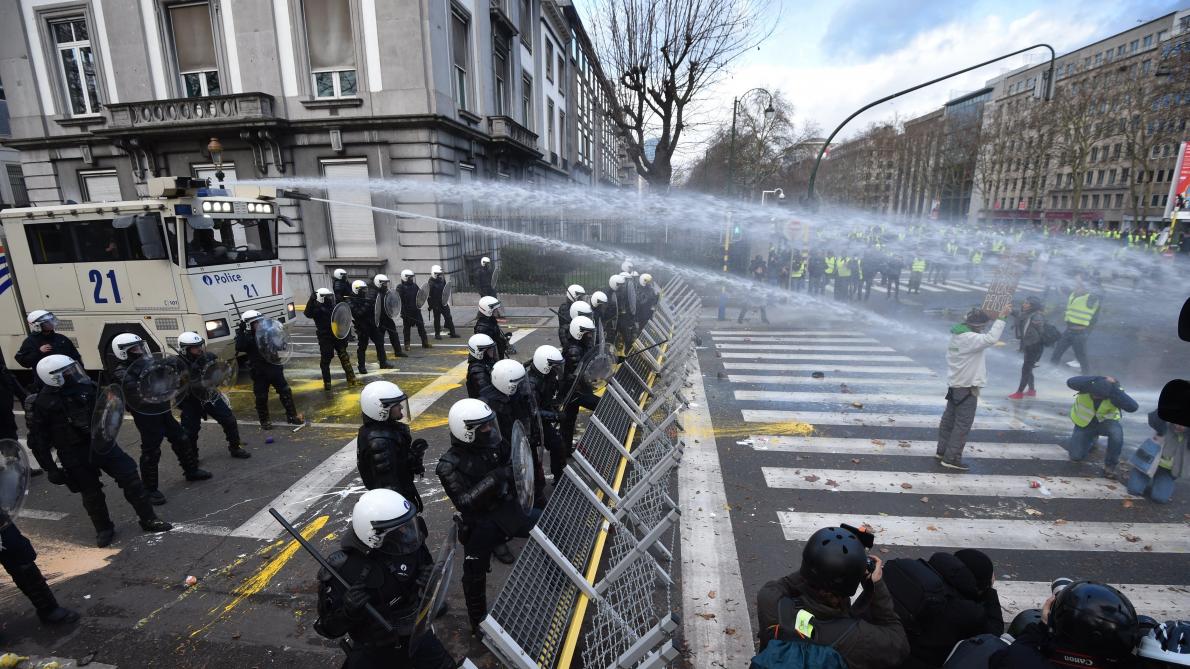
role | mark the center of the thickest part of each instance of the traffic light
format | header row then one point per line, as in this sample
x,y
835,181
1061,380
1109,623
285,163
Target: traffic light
x,y
737,232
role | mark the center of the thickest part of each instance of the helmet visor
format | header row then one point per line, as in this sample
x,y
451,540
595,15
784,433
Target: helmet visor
x,y
45,321
72,373
398,407
487,431
399,536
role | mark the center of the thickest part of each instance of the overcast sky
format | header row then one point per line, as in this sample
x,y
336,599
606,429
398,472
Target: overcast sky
x,y
831,57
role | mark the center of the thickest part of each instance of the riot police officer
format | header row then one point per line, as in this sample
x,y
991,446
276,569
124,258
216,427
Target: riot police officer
x,y
19,559
201,402
481,357
626,318
484,278
363,319
319,309
154,422
542,380
599,314
264,373
477,475
438,306
410,314
387,325
574,294
386,561
580,309
341,286
646,300
9,388
486,322
60,420
513,403
575,391
44,340
386,453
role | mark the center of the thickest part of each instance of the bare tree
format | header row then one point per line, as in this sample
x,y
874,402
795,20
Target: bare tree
x,y
660,57
1077,124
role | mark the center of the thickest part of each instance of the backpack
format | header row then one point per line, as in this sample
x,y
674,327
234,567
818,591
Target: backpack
x,y
974,653
791,649
1049,335
918,592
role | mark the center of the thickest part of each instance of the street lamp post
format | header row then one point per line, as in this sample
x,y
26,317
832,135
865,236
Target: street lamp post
x,y
769,113
1048,82
215,148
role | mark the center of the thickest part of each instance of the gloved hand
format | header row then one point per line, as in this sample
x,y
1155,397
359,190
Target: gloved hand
x,y
355,600
56,476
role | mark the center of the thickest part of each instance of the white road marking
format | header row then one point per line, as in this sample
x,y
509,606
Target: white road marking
x,y
37,514
832,383
832,334
845,399
777,346
924,483
794,339
1163,602
903,447
1080,536
710,562
826,357
827,367
300,496
874,419
968,286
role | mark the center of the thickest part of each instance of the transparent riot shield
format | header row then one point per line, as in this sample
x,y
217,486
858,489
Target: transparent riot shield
x,y
341,321
107,417
155,383
423,294
597,365
522,465
436,590
445,294
211,377
14,477
392,304
272,340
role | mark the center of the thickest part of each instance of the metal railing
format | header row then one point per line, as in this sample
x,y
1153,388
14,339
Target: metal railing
x,y
594,585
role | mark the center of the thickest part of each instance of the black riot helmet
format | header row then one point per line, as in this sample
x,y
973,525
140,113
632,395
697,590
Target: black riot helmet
x,y
1094,619
1023,620
834,560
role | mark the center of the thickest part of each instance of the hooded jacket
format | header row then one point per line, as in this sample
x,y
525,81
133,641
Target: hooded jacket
x,y
962,616
965,354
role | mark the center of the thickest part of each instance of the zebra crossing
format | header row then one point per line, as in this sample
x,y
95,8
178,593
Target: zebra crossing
x,y
1026,285
858,445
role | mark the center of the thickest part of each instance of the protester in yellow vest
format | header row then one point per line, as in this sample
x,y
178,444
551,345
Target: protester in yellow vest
x,y
916,269
797,273
1095,413
843,277
1082,310
974,266
1174,452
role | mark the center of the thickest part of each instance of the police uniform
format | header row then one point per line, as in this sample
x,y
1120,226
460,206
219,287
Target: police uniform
x,y
265,374
479,380
410,314
29,354
19,559
388,456
439,307
519,408
195,406
394,585
626,318
483,281
387,326
646,301
545,388
364,319
491,327
329,345
582,395
564,320
342,290
9,388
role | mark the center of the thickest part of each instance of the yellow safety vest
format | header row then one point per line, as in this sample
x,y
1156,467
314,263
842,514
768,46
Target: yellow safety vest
x,y
1079,310
977,257
830,264
845,267
800,269
1084,410
919,265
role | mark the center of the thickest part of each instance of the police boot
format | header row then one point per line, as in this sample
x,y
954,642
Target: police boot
x,y
28,578
155,525
362,369
237,451
262,412
477,605
149,476
291,414
503,553
188,455
96,508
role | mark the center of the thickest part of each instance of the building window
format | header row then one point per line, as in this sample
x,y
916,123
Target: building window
x,y
1133,46
1120,51
1098,59
527,100
1160,35
1119,200
500,74
100,186
549,61
194,49
1155,199
459,33
1124,175
16,179
1111,177
527,23
1099,179
1082,202
549,123
1148,41
1160,176
76,63
1094,153
1144,66
207,171
562,137
1184,23
353,232
1089,177
561,74
331,45
1095,201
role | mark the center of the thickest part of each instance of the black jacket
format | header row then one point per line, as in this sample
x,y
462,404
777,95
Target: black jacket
x,y
965,613
646,301
491,327
479,381
610,314
320,313
8,381
478,481
386,321
246,344
1028,328
388,457
564,320
1032,650
29,354
545,387
483,279
61,421
434,300
876,642
363,312
408,291
342,290
127,377
573,354
394,583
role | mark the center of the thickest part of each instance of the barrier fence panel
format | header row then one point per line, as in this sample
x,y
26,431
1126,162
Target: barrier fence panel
x,y
594,584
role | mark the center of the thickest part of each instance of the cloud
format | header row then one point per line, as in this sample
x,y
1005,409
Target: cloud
x,y
874,27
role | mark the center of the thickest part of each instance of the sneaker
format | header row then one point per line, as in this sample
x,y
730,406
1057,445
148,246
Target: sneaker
x,y
938,456
426,344
155,497
1030,393
1017,396
266,424
954,465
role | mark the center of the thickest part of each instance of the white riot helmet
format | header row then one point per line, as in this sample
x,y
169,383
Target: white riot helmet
x,y
507,375
598,298
379,399
479,345
546,358
580,326
575,292
406,274
435,270
358,286
485,261
55,370
615,282
251,316
473,422
339,273
188,339
646,279
580,309
488,305
39,317
125,344
384,520
380,280
627,266
323,294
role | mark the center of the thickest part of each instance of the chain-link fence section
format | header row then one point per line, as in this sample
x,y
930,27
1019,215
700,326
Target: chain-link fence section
x,y
594,585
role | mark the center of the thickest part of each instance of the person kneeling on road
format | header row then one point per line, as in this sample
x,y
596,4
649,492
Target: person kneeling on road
x,y
1096,411
1171,463
809,612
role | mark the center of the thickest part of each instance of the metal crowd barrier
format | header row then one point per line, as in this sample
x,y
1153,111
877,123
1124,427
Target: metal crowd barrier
x,y
599,563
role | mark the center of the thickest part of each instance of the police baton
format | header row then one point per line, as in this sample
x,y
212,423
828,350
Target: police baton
x,y
380,620
629,357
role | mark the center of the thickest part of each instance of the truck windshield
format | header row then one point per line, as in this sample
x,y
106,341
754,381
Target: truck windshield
x,y
231,241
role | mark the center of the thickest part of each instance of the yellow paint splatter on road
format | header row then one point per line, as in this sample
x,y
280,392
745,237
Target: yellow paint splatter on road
x,y
785,429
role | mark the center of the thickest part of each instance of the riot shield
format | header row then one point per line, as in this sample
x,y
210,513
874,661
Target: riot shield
x,y
392,304
211,377
14,477
341,320
436,590
108,416
522,465
272,340
597,365
155,383
630,291
423,294
445,300
378,308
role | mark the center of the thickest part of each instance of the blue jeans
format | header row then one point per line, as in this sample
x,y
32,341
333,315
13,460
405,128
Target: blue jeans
x,y
1159,488
1082,440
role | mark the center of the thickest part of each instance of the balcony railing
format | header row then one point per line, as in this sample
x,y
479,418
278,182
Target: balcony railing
x,y
504,129
190,112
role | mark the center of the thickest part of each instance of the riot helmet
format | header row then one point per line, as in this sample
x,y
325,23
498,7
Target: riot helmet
x,y
382,400
127,344
546,358
473,422
384,520
507,376
834,560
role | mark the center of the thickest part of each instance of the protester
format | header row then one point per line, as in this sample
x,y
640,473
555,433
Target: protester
x,y
1030,326
1095,413
966,374
1171,463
